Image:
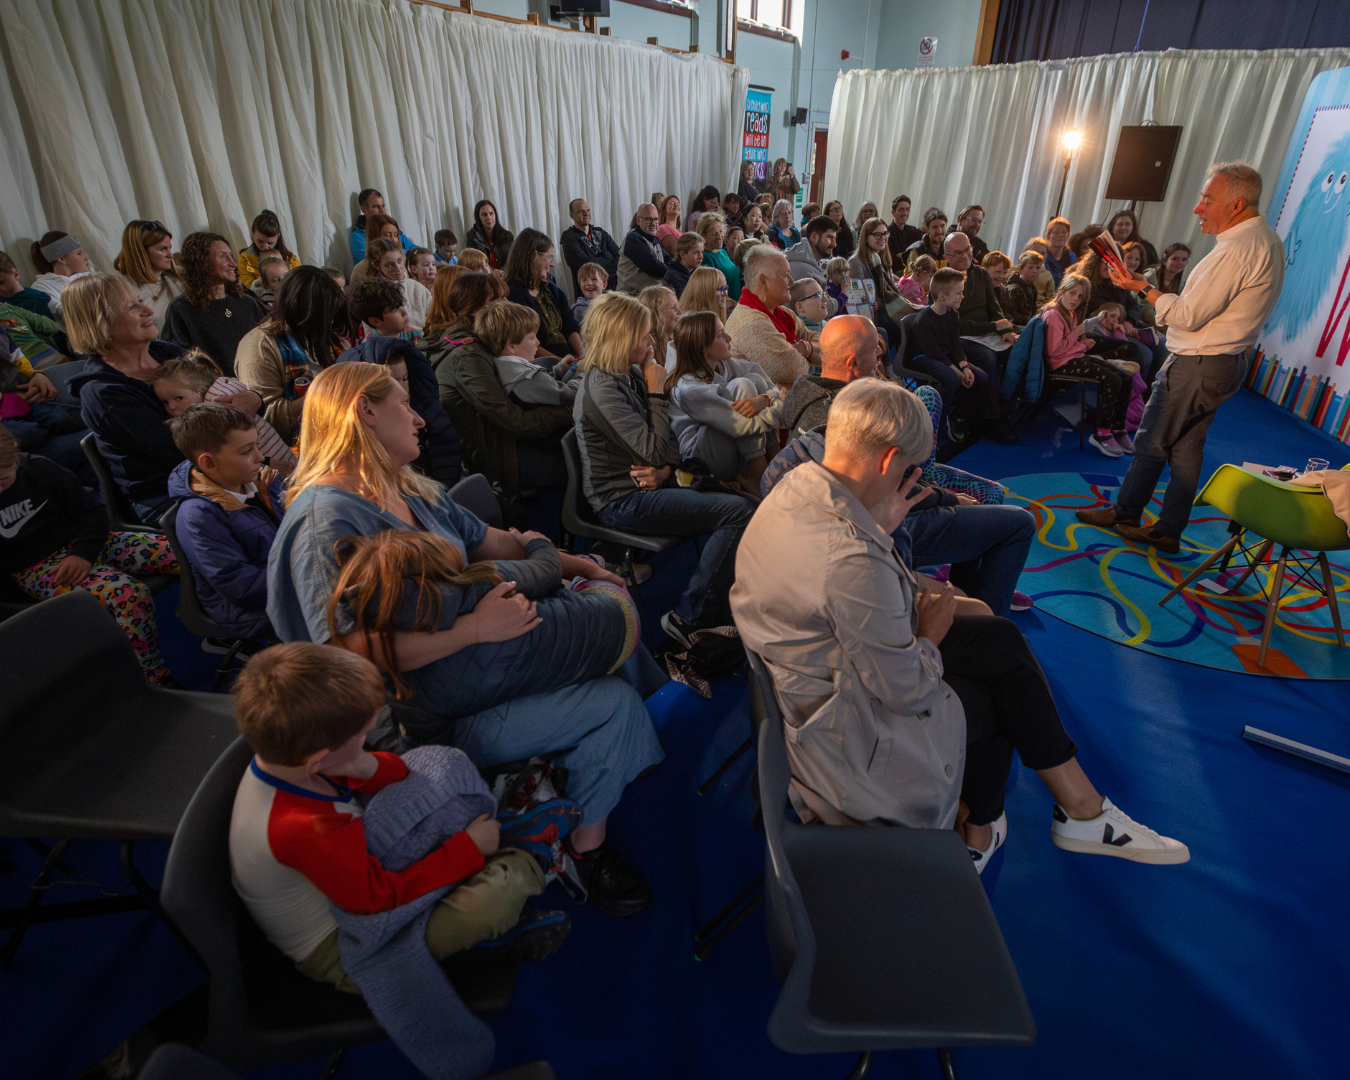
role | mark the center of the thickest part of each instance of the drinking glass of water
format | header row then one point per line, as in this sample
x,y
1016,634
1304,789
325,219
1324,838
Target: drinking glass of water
x,y
1316,464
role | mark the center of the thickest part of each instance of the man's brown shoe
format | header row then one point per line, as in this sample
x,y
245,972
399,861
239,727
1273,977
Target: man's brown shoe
x,y
1169,545
1105,516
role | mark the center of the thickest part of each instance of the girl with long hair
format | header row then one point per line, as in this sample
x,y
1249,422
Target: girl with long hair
x,y
215,312
357,443
668,229
267,240
1168,275
527,268
489,235
844,244
707,291
59,259
1124,227
707,199
664,307
146,260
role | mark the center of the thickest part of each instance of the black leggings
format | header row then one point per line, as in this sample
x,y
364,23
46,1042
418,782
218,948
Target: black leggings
x,y
1008,707
1113,388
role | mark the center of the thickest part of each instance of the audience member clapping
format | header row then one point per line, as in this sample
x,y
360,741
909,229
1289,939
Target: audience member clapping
x,y
214,313
59,259
763,329
146,260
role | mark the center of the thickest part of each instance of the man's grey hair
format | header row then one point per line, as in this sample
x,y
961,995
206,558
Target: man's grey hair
x,y
871,415
1243,181
763,259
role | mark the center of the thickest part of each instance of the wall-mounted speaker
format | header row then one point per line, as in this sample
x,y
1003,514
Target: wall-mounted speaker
x,y
799,117
1143,164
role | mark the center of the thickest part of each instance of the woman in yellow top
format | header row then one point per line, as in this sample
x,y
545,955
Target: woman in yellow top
x,y
266,239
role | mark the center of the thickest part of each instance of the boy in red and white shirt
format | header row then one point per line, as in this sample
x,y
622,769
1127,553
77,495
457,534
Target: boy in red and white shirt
x,y
297,842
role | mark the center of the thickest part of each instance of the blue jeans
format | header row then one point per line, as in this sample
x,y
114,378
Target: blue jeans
x,y
1149,357
980,400
685,512
53,431
986,545
1186,394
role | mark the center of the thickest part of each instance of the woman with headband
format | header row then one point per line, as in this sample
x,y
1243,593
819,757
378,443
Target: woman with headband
x,y
59,259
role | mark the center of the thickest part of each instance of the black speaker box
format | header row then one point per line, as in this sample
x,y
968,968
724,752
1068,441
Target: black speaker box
x,y
1143,165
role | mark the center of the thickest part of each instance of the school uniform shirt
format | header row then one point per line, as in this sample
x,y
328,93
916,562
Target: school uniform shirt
x,y
216,329
44,510
294,851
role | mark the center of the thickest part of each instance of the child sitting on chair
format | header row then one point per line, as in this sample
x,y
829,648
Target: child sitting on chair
x,y
592,280
231,507
914,285
298,843
271,269
54,538
189,380
836,279
510,332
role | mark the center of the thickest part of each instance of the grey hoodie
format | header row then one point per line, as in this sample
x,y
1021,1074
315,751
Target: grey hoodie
x,y
803,262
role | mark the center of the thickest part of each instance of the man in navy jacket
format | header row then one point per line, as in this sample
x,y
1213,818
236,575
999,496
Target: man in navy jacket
x,y
586,243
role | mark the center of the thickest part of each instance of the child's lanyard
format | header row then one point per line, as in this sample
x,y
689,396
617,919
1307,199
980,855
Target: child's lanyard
x,y
344,796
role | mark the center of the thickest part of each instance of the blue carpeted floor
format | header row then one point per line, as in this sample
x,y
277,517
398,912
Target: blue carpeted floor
x,y
1233,965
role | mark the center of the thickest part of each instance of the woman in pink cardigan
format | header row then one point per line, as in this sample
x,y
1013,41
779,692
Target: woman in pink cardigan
x,y
1066,346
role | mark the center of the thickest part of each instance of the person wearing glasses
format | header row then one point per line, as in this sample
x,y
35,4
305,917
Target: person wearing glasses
x,y
644,261
146,260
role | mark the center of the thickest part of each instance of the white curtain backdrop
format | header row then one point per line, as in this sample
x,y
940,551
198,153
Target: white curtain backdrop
x,y
203,112
990,135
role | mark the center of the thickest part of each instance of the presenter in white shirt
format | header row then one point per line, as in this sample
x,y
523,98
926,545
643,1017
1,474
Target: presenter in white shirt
x,y
1210,327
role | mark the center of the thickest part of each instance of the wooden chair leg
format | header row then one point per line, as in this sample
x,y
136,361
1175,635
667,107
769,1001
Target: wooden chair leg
x,y
1329,587
1252,564
1271,605
1222,553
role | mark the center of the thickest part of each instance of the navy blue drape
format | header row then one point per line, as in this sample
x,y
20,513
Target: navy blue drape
x,y
1058,29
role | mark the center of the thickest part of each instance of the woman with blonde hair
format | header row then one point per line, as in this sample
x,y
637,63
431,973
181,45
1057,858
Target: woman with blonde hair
x,y
628,454
707,291
357,444
146,260
664,308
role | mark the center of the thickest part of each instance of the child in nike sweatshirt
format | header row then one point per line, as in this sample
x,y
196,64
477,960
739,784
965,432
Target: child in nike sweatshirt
x,y
54,538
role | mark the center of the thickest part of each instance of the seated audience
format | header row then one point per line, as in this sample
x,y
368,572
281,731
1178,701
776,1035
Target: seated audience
x,y
1167,276
986,545
1105,291
817,244
996,264
267,238
489,235
527,275
371,203
184,381
748,189
1079,242
914,285
836,281
723,411
12,290
339,278
856,651
844,244
782,233
712,229
387,261
688,257
56,539
930,243
735,235
474,261
664,309
1135,264
1058,256
59,259
300,857
643,261
707,199
707,291
969,221
230,504
1124,229
763,330
36,337
512,446
809,211
38,424
979,315
872,262
752,221
668,230
378,227
377,305
271,269
511,332
739,253
781,184
584,243
900,234
869,211
146,260
1024,299
808,302
447,243
968,383
731,208
355,480
421,265
214,312
624,434
1045,281
306,331
592,280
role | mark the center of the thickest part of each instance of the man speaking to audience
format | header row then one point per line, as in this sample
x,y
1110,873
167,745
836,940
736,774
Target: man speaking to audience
x,y
1210,326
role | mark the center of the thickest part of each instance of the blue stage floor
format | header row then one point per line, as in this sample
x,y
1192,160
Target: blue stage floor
x,y
1233,965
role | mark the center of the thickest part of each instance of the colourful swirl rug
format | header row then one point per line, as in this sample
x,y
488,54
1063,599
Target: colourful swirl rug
x,y
1091,577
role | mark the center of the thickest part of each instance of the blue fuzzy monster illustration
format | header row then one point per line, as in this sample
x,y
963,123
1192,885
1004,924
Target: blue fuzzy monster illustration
x,y
1313,246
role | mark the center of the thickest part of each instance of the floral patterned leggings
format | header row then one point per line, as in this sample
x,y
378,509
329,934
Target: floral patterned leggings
x,y
114,579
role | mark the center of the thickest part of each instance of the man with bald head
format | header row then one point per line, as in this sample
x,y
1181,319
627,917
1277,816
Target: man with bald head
x,y
584,243
986,545
643,261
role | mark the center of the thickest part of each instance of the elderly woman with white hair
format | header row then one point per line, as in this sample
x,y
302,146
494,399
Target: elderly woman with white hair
x,y
763,329
904,706
782,233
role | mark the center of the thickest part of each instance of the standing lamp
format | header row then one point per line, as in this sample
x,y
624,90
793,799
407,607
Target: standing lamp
x,y
1071,140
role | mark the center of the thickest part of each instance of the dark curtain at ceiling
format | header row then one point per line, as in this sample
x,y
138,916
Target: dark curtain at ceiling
x,y
1057,29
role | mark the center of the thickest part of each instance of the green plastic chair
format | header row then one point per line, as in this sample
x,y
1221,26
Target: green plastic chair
x,y
1300,520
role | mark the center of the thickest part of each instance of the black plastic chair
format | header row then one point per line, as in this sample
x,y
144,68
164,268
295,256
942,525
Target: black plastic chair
x,y
898,367
122,516
190,611
580,520
475,494
883,938
174,1061
89,749
262,1011
60,375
